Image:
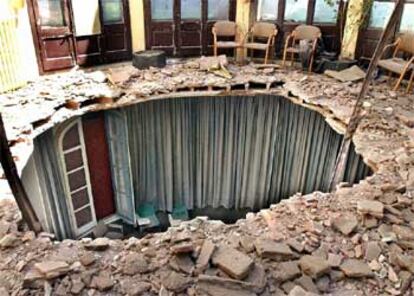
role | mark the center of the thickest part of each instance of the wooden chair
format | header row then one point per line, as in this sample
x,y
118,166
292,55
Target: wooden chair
x,y
404,44
262,31
225,29
302,32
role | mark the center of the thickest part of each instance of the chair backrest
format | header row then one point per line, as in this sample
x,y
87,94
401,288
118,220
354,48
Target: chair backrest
x,y
225,28
305,32
263,30
407,43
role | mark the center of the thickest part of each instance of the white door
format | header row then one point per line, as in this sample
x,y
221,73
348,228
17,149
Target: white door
x,y
77,183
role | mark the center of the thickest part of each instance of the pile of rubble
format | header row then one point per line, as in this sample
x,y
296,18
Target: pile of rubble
x,y
338,244
356,241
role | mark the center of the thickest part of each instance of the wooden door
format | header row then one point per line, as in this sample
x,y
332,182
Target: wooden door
x,y
87,31
160,24
183,27
54,34
116,30
99,165
190,30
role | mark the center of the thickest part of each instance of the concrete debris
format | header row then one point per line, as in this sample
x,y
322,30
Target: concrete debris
x,y
135,263
9,240
266,248
345,223
286,271
206,252
102,282
314,266
183,263
351,74
184,247
299,291
87,258
233,262
372,251
355,268
52,269
175,282
99,244
371,207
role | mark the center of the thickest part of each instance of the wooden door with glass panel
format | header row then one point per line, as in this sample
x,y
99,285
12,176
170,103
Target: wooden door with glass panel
x,y
116,30
54,32
183,27
160,24
190,34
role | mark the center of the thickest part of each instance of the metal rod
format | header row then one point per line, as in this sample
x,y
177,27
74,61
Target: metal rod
x,y
340,165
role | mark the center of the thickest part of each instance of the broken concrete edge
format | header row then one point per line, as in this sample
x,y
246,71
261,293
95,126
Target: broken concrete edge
x,y
23,149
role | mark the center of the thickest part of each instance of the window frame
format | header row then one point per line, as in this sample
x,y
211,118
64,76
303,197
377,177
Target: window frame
x,y
121,21
84,229
402,13
310,14
339,8
258,15
368,25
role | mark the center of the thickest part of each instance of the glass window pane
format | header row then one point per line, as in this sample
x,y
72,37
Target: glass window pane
x,y
218,9
407,21
267,10
162,9
326,12
190,9
112,11
380,14
296,10
51,13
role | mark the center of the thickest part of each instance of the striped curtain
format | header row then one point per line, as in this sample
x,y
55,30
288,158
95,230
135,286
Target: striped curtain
x,y
12,73
236,152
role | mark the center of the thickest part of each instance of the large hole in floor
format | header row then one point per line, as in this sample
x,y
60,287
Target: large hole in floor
x,y
168,160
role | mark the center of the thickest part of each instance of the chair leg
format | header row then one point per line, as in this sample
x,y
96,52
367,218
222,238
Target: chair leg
x,y
215,50
284,58
397,85
292,56
310,67
266,56
410,84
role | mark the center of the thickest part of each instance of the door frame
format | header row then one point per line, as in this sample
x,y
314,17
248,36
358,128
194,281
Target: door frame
x,y
31,8
78,231
102,58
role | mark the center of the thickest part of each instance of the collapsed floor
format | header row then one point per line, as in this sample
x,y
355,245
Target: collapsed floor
x,y
357,241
